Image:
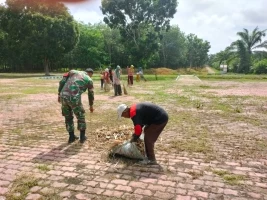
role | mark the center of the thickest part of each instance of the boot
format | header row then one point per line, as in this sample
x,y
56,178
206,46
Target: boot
x,y
82,136
72,137
119,90
115,90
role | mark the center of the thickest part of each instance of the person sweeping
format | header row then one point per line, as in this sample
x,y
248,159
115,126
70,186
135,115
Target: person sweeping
x,y
149,116
70,89
117,82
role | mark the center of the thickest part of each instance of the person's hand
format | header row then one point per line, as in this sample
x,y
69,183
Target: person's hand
x,y
134,138
58,99
91,109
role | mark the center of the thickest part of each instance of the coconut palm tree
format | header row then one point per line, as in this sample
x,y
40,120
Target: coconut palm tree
x,y
247,45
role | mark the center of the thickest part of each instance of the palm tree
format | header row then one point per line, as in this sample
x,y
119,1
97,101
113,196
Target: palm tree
x,y
247,45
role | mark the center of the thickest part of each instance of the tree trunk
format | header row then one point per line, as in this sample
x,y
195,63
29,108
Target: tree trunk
x,y
164,56
46,67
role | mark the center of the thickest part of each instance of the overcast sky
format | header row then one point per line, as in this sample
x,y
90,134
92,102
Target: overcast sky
x,y
212,20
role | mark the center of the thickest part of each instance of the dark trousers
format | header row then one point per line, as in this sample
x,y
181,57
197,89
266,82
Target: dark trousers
x,y
130,80
152,133
102,83
117,90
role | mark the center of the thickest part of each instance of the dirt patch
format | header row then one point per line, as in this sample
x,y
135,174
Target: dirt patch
x,y
125,98
204,132
240,89
164,71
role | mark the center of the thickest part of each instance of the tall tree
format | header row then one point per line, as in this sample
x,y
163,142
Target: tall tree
x,y
197,51
173,48
140,23
38,31
247,45
89,52
114,47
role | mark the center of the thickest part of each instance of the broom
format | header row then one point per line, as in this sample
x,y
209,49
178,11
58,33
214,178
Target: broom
x,y
124,88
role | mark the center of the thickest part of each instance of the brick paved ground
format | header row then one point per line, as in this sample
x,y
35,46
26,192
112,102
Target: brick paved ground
x,y
80,172
77,172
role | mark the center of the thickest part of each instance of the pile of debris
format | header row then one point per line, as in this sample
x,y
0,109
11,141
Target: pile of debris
x,y
108,139
122,133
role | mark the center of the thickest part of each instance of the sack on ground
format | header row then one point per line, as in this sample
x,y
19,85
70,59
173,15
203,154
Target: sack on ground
x,y
107,87
129,150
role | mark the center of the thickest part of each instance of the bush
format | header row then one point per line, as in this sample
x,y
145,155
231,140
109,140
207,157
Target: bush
x,y
260,67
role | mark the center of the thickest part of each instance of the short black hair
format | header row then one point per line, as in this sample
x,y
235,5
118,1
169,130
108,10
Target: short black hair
x,y
89,70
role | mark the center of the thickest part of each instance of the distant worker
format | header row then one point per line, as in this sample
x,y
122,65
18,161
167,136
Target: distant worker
x,y
110,74
130,71
141,73
106,80
117,81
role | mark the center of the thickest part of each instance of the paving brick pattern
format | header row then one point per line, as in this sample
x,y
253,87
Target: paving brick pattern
x,y
101,180
78,172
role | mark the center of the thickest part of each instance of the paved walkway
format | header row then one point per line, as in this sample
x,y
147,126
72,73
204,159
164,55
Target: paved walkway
x,y
35,147
78,172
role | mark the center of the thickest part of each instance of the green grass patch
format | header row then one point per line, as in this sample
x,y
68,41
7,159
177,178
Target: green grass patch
x,y
20,75
220,172
235,77
192,145
233,179
10,96
229,178
21,187
43,168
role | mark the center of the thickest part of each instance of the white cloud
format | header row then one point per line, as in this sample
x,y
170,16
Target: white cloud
x,y
88,12
219,21
212,20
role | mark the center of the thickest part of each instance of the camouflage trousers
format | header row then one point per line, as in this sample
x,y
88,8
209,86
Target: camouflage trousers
x,y
70,106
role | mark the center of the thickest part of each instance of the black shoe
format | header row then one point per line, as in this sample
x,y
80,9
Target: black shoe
x,y
72,139
82,136
83,139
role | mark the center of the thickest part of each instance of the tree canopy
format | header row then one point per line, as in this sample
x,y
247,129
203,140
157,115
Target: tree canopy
x,y
37,37
243,53
140,23
38,33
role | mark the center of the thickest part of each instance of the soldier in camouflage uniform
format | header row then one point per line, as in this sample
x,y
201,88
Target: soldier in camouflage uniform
x,y
70,89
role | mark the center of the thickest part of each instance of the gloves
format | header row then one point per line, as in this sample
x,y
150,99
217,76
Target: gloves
x,y
134,138
91,109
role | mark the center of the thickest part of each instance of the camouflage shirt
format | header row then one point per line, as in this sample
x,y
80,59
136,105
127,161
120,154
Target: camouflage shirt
x,y
76,83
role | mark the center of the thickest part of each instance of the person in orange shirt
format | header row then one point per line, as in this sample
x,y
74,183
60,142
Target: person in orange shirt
x,y
130,71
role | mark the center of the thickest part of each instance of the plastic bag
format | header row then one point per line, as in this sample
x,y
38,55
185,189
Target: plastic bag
x,y
142,137
129,150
